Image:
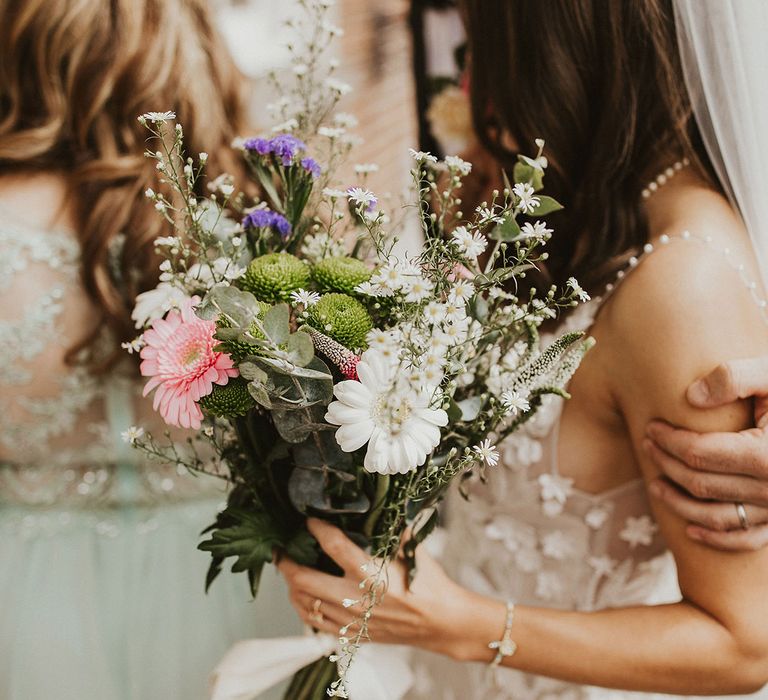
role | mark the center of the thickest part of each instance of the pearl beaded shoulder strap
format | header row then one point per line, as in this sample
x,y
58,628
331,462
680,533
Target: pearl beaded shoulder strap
x,y
664,240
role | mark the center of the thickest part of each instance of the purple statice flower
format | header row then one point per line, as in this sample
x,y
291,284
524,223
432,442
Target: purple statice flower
x,y
311,166
283,146
266,218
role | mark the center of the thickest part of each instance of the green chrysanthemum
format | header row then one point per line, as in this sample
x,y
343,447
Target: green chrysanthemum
x,y
340,274
230,400
240,349
273,277
342,318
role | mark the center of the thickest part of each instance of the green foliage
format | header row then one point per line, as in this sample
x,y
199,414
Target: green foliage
x,y
340,274
238,343
273,277
250,537
232,399
342,318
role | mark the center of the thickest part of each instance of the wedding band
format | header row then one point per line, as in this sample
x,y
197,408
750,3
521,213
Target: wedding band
x,y
742,513
315,614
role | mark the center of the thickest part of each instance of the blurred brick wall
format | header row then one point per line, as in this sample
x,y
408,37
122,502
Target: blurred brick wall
x,y
375,54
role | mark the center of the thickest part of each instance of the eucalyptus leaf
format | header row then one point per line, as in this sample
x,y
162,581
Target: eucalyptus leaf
x,y
260,395
300,348
251,371
524,172
276,323
241,307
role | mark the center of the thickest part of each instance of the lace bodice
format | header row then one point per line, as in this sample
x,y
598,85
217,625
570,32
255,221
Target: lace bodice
x,y
61,425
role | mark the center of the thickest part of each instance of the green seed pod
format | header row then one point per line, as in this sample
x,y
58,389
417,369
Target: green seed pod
x,y
340,274
273,277
230,400
342,318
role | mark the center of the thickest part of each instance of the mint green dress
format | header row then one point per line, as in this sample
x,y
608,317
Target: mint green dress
x,y
101,585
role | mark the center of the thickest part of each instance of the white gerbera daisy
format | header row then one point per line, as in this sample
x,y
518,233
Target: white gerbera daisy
x,y
391,416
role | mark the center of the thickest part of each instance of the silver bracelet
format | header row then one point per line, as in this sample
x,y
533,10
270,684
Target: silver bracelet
x,y
505,646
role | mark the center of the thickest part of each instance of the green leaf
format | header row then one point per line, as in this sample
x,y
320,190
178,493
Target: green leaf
x,y
241,307
300,348
251,371
266,180
277,323
453,411
507,230
302,548
260,394
526,171
547,205
250,540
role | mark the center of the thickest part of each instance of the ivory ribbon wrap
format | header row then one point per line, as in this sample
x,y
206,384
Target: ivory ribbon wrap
x,y
378,672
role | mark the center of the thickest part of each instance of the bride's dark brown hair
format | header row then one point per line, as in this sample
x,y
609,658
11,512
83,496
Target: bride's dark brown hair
x,y
74,76
601,81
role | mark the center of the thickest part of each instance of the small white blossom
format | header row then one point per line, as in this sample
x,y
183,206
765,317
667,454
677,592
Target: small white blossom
x,y
167,241
348,602
305,298
487,453
203,156
515,402
338,86
345,120
361,197
638,531
422,156
300,69
526,195
537,230
331,132
158,117
133,346
461,291
577,290
488,215
471,244
366,168
155,303
131,435
459,165
286,126
418,289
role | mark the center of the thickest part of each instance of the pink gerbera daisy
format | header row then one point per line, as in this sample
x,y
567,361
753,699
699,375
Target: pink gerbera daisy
x,y
179,357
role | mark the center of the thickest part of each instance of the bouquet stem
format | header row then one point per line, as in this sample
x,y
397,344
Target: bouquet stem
x,y
312,681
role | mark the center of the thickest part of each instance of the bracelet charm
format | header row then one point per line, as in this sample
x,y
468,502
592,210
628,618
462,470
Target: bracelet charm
x,y
505,646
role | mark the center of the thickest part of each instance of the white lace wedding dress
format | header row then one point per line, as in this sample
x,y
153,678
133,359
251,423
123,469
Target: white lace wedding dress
x,y
529,536
101,586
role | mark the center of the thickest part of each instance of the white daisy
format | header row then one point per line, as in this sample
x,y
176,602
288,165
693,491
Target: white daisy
x,y
361,196
305,298
525,193
581,295
486,452
537,230
515,402
395,421
434,312
471,244
418,289
422,156
131,435
158,117
156,302
461,292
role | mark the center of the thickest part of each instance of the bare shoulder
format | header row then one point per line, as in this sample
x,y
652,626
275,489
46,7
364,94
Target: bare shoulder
x,y
686,307
36,200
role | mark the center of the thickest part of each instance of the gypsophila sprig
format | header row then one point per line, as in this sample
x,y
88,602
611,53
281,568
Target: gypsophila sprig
x,y
321,372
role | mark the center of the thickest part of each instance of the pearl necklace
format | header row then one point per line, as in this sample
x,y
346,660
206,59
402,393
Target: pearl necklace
x,y
664,240
664,177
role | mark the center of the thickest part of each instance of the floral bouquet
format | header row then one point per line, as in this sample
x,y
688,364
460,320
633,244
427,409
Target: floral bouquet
x,y
323,374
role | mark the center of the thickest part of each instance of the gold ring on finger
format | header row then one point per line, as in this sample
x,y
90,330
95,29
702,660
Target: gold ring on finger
x,y
316,615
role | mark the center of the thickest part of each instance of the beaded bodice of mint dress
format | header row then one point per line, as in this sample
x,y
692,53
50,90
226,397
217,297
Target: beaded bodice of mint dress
x,y
101,585
529,536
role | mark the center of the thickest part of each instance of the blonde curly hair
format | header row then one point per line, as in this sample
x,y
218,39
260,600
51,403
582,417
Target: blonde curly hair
x,y
74,76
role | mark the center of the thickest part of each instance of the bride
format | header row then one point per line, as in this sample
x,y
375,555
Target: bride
x,y
562,573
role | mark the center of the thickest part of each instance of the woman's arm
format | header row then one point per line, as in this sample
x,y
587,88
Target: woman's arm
x,y
677,315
